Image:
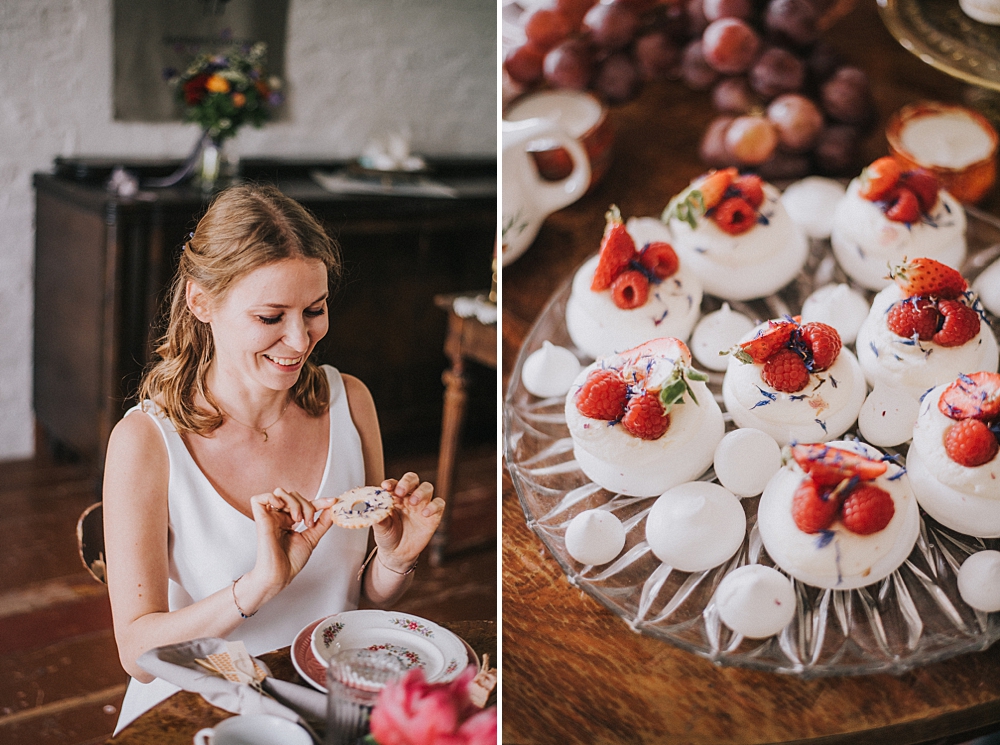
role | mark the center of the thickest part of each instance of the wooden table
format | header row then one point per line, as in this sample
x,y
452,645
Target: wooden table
x,y
575,673
175,720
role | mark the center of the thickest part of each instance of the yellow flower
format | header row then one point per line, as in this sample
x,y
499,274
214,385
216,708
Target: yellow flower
x,y
217,84
239,99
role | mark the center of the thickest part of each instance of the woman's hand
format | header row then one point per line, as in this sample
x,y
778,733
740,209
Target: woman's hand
x,y
408,529
281,550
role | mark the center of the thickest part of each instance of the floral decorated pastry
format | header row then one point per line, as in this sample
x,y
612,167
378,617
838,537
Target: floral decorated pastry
x,y
794,381
889,214
735,235
643,421
632,291
924,329
953,461
838,515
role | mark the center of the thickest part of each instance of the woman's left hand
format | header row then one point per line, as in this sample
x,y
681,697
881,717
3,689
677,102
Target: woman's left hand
x,y
408,529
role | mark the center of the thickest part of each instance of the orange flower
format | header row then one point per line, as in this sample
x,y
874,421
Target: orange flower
x,y
217,84
238,100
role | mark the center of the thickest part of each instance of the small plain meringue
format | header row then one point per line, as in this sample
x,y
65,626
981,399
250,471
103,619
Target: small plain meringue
x,y
838,306
550,371
811,203
756,601
717,332
887,416
595,537
979,581
987,285
695,526
745,460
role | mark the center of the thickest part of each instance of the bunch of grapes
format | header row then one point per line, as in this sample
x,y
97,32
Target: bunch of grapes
x,y
787,103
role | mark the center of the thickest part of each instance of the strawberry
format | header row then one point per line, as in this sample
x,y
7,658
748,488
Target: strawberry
x,y
630,289
735,215
924,184
660,259
829,466
785,371
961,324
970,443
814,509
904,206
823,341
602,395
767,341
973,396
617,250
867,509
751,188
645,416
878,179
924,276
713,185
914,315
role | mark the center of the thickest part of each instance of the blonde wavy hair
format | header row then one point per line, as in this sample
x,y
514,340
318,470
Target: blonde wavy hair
x,y
244,228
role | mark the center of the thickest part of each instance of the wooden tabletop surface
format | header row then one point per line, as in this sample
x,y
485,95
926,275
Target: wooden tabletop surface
x,y
575,673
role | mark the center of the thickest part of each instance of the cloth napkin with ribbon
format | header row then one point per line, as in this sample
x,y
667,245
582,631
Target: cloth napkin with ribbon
x,y
228,677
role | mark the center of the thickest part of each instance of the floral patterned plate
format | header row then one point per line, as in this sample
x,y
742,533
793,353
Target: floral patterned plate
x,y
416,641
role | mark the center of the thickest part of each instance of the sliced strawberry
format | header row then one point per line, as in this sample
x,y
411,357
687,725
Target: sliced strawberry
x,y
712,186
660,259
751,188
904,206
735,215
768,341
923,276
828,465
824,342
924,184
914,315
972,396
961,324
630,289
867,509
617,250
814,508
645,416
879,178
602,395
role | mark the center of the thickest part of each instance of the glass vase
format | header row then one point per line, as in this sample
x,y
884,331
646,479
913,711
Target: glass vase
x,y
215,167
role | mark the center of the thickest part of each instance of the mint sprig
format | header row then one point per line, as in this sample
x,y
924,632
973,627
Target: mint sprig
x,y
677,385
686,207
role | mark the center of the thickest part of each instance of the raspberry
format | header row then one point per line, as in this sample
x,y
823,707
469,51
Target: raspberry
x,y
904,206
878,179
824,341
602,395
961,324
814,509
660,259
924,184
751,188
735,215
630,290
769,340
973,396
828,466
970,443
785,371
645,416
867,509
617,250
924,276
713,185
914,315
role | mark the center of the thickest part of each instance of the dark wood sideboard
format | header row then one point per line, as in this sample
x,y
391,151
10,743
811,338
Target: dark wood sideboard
x,y
102,263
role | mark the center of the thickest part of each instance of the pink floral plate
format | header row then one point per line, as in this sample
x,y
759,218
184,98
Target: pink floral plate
x,y
313,670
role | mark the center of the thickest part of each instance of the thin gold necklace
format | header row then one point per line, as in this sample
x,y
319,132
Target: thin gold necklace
x,y
262,430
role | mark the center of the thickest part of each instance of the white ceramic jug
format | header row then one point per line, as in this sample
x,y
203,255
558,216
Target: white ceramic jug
x,y
527,198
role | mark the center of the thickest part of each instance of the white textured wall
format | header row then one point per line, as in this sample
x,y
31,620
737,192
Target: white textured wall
x,y
355,69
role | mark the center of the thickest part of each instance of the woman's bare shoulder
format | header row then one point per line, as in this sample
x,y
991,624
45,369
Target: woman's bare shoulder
x,y
137,456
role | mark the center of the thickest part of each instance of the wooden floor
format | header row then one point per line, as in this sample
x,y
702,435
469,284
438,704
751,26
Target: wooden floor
x,y
60,679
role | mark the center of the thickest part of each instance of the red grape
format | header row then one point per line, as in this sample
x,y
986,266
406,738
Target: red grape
x,y
713,144
696,17
733,96
784,166
618,78
838,150
846,96
695,71
611,26
793,21
798,121
545,28
524,64
716,9
751,140
574,10
823,61
777,71
658,56
730,45
570,65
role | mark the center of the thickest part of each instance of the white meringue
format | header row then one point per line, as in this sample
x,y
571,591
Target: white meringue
x,y
756,601
979,581
838,306
987,286
695,526
549,371
717,332
887,416
745,460
595,537
811,203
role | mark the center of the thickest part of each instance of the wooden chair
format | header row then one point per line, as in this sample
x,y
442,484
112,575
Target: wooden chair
x,y
90,541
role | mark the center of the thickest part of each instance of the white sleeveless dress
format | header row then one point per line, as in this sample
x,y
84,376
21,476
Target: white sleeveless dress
x,y
211,543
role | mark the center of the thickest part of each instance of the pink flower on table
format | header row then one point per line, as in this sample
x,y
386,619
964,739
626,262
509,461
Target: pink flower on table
x,y
415,712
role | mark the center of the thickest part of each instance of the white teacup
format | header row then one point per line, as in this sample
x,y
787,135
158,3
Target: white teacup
x,y
253,729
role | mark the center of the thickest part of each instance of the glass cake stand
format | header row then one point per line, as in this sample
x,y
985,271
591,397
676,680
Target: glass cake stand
x,y
911,618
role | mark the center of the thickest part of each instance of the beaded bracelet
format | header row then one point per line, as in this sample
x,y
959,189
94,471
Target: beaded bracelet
x,y
237,602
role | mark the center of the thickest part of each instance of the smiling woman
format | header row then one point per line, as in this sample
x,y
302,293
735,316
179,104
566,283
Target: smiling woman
x,y
217,485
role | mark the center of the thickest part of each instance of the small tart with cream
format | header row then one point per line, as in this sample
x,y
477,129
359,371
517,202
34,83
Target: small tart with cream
x,y
362,507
